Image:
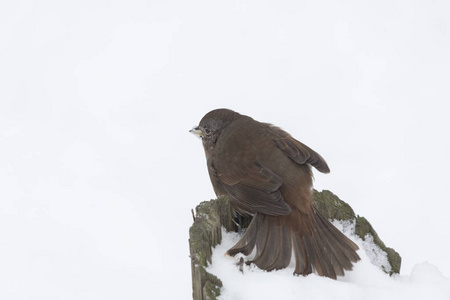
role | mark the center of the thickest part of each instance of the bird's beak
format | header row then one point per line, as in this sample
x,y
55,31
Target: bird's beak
x,y
197,132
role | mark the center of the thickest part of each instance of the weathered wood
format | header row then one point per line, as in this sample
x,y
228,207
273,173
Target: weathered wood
x,y
206,233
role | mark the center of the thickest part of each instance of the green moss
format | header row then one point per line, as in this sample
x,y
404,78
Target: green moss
x,y
204,234
363,228
211,289
394,259
332,207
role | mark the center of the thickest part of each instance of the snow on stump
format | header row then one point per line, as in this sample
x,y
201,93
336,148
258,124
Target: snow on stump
x,y
211,215
335,209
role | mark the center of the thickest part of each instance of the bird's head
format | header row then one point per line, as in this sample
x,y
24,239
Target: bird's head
x,y
212,125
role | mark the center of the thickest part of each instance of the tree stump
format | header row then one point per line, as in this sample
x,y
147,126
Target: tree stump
x,y
206,233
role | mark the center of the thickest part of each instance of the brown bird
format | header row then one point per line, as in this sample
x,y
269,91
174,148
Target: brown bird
x,y
267,173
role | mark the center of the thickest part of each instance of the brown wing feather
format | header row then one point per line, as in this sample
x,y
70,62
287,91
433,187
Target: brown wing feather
x,y
301,154
256,190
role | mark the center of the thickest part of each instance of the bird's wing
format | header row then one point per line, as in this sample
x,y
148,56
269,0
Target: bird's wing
x,y
301,154
256,190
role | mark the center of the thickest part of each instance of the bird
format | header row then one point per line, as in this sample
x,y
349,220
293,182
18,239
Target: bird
x,y
266,173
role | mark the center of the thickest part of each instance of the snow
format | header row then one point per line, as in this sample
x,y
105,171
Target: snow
x,y
98,172
375,254
365,281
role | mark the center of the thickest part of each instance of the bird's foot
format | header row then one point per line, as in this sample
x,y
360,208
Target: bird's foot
x,y
240,264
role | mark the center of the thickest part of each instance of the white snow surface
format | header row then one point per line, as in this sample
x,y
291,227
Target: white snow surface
x,y
365,281
98,172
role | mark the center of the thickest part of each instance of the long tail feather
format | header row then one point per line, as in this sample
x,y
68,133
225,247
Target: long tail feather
x,y
316,244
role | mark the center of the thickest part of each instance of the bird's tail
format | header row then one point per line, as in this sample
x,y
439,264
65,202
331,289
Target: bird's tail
x,y
315,243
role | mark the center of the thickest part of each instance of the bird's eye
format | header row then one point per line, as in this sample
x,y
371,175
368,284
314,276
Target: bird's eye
x,y
207,131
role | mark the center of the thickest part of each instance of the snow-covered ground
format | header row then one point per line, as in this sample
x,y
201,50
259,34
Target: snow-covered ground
x,y
98,172
365,281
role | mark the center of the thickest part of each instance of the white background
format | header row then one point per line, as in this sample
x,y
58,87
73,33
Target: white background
x,y
98,172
